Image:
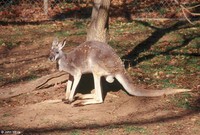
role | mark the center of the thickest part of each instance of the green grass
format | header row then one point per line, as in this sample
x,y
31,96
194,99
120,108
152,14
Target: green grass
x,y
17,78
69,33
162,11
1,42
75,132
127,129
117,47
134,129
167,84
197,122
79,24
31,77
170,69
62,33
6,115
120,28
1,77
46,26
184,101
193,64
79,33
9,44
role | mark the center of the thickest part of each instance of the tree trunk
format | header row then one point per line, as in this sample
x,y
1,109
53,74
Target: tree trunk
x,y
46,7
99,21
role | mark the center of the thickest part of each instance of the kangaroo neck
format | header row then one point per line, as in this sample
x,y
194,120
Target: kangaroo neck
x,y
62,55
64,64
63,59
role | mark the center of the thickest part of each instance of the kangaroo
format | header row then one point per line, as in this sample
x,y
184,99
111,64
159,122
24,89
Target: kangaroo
x,y
101,60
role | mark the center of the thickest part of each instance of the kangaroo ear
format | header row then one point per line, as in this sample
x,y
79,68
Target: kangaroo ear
x,y
62,44
55,42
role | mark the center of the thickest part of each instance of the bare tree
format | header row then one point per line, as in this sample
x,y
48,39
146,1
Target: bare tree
x,y
99,21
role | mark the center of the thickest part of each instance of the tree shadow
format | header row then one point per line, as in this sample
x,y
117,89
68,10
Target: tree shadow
x,y
132,57
21,23
82,13
77,13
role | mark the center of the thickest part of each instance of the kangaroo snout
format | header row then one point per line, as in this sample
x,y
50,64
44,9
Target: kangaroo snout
x,y
51,57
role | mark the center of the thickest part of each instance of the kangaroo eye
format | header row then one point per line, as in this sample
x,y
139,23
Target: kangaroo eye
x,y
57,52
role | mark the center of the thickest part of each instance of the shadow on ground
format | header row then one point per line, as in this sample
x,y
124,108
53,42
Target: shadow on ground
x,y
132,57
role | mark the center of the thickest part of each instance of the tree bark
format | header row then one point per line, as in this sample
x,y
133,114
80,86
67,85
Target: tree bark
x,y
46,7
99,21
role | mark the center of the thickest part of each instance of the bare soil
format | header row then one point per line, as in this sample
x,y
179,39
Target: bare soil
x,y
32,113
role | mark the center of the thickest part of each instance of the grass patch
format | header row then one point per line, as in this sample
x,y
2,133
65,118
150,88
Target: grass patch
x,y
193,65
68,33
75,132
167,84
118,47
183,101
30,77
197,122
46,27
9,44
162,11
17,78
1,42
62,33
119,28
79,33
1,78
170,69
6,115
79,24
135,129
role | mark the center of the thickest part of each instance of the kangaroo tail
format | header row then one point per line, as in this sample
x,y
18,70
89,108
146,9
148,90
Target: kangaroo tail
x,y
126,82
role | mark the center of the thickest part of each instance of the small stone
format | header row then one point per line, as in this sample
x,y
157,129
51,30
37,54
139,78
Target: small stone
x,y
193,119
13,59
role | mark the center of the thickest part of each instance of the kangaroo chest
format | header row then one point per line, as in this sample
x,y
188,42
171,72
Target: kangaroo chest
x,y
60,66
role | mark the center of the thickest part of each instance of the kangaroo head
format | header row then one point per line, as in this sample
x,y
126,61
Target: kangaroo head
x,y
56,49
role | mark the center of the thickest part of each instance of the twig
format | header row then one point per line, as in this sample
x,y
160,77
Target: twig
x,y
185,15
184,10
194,6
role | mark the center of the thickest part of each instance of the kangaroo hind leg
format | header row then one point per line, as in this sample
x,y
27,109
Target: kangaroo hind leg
x,y
95,98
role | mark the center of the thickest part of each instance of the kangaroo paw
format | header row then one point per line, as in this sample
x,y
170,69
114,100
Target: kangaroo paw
x,y
78,104
66,101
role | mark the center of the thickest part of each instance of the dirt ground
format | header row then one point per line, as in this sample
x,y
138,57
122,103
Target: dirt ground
x,y
28,111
